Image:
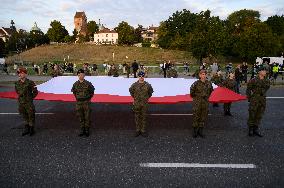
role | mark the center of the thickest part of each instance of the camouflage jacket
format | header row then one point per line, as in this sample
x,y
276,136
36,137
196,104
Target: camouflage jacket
x,y
26,91
55,73
257,88
172,73
216,79
141,92
201,89
83,91
230,84
113,72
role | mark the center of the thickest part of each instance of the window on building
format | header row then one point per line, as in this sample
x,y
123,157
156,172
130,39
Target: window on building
x,y
103,40
112,35
106,35
106,40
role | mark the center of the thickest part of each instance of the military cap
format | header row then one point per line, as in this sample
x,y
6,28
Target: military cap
x,y
22,70
80,71
141,73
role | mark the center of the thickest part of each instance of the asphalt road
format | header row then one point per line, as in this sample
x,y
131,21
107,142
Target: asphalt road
x,y
56,157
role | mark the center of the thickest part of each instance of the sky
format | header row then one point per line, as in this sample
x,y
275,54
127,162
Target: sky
x,y
112,12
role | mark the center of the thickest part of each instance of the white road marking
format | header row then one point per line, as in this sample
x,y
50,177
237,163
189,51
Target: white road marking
x,y
195,165
275,97
18,113
173,114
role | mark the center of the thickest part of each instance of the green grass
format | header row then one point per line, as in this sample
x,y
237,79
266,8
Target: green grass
x,y
81,53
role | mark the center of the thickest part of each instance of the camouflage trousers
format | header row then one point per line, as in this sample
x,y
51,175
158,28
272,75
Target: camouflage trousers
x,y
256,111
200,113
140,116
227,107
27,110
83,111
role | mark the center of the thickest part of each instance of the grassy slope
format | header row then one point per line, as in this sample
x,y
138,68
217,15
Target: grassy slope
x,y
80,53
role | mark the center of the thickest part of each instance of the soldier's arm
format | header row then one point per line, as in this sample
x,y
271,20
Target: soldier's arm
x,y
16,88
34,89
131,90
150,91
92,89
249,89
73,90
193,90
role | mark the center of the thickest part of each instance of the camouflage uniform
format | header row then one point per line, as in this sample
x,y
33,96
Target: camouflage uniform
x,y
141,92
229,84
55,73
172,73
256,94
200,92
26,91
217,80
113,72
87,71
127,68
83,92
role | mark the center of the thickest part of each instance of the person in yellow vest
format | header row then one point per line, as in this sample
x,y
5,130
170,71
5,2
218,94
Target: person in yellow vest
x,y
275,71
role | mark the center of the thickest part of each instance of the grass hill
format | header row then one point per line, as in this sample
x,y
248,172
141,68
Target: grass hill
x,y
81,53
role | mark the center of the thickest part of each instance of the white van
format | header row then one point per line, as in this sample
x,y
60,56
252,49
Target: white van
x,y
270,60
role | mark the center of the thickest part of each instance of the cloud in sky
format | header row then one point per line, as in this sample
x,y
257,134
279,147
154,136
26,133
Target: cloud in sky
x,y
111,12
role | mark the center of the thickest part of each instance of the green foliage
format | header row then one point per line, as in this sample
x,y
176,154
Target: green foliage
x,y
137,34
57,32
146,44
18,41
2,48
255,41
38,38
125,33
276,23
92,28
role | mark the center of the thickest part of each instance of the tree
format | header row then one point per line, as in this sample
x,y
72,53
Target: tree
x,y
276,23
57,32
2,48
38,38
137,34
257,41
92,28
174,32
18,41
209,36
125,33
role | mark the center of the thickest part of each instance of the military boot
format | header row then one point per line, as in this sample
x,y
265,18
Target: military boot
x,y
200,132
195,132
32,131
87,132
82,132
250,131
26,130
256,132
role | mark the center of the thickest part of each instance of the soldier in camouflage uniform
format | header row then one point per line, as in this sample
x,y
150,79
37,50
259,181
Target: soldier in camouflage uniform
x,y
256,94
217,79
200,91
56,71
172,73
27,91
86,69
83,91
231,84
141,91
113,71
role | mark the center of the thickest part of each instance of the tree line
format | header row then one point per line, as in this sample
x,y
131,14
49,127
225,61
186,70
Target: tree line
x,y
242,34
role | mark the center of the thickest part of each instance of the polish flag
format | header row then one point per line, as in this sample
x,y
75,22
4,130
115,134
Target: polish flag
x,y
116,90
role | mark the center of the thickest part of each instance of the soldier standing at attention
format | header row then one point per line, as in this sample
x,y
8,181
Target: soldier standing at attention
x,y
27,91
141,91
83,91
256,94
200,91
229,83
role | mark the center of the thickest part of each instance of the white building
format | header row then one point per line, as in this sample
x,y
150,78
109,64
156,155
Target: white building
x,y
106,36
